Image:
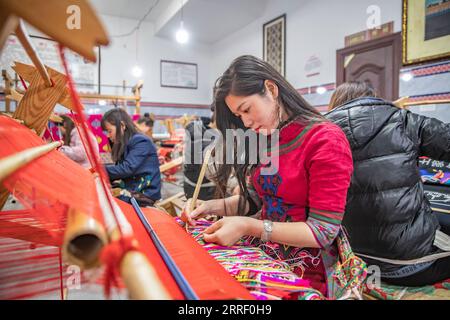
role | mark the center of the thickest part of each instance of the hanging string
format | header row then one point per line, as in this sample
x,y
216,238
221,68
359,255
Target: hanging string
x,y
61,278
138,24
84,129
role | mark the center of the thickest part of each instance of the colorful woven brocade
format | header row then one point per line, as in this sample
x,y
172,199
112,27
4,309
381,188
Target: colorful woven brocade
x,y
264,277
438,291
351,271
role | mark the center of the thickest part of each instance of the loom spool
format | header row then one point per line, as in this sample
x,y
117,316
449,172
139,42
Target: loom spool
x,y
83,240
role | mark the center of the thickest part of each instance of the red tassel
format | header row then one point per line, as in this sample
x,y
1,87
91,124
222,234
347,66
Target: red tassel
x,y
111,257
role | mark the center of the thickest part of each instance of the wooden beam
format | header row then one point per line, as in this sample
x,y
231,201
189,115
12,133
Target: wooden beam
x,y
4,194
107,97
16,161
8,90
169,165
24,39
39,100
8,23
73,23
171,204
425,102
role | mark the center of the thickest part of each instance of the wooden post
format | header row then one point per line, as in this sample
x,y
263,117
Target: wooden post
x,y
137,93
8,86
124,88
4,193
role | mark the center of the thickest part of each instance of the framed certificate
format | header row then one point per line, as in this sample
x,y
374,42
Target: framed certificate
x,y
175,74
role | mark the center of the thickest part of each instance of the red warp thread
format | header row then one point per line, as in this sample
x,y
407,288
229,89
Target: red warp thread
x,y
111,256
95,161
23,83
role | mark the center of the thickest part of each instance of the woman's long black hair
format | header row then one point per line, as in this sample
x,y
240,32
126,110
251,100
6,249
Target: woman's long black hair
x,y
115,117
246,76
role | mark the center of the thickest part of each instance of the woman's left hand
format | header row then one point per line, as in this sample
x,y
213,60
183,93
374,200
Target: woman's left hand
x,y
227,231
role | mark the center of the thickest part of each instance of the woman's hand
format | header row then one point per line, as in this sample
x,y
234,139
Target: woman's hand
x,y
227,231
217,207
203,208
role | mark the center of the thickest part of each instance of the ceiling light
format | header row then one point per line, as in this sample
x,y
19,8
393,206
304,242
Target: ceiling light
x,y
136,71
182,35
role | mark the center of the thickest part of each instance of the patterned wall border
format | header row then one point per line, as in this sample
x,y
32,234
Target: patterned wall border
x,y
428,70
312,90
430,97
93,102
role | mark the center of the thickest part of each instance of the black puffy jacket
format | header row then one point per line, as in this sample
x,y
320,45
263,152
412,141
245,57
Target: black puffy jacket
x,y
190,169
387,214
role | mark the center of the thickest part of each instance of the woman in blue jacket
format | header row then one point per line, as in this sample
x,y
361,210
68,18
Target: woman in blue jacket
x,y
135,157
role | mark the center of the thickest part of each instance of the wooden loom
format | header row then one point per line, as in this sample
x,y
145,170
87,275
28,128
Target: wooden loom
x,y
87,225
13,94
405,102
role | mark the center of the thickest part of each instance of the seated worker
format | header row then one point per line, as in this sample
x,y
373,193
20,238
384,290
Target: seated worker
x,y
135,158
191,169
73,147
145,125
195,142
388,218
303,199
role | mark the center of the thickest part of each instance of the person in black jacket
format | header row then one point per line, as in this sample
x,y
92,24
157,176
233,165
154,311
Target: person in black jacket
x,y
197,142
388,218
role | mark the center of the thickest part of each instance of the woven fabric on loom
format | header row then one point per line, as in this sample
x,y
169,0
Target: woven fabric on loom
x,y
47,188
265,277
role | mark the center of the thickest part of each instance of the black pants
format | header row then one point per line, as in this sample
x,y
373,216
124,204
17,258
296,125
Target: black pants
x,y
437,272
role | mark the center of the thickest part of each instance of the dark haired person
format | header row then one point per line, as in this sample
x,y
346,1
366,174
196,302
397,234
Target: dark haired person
x,y
196,141
135,157
145,125
304,201
73,146
388,218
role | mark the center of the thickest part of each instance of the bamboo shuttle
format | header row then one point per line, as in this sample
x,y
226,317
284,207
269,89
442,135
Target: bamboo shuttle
x,y
12,163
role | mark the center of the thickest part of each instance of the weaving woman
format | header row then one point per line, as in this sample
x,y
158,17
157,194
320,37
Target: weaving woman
x,y
302,204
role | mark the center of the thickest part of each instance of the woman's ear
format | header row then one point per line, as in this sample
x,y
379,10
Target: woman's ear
x,y
272,88
122,126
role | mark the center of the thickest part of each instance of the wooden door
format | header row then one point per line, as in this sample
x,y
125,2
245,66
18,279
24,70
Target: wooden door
x,y
376,62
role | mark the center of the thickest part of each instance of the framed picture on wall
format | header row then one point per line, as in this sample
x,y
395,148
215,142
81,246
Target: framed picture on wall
x,y
175,74
274,43
426,30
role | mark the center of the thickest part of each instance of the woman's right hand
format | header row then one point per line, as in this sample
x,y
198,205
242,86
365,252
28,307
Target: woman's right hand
x,y
202,209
